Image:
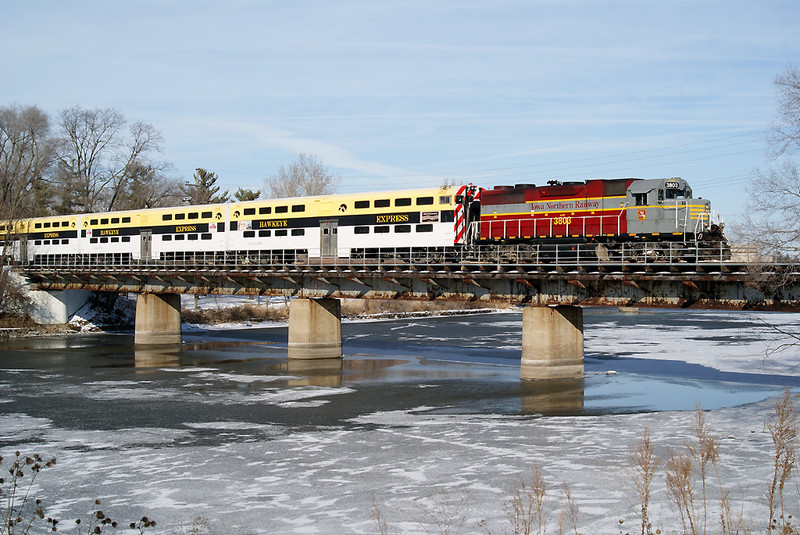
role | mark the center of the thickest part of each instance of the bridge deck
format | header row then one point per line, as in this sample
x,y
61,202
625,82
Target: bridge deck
x,y
511,275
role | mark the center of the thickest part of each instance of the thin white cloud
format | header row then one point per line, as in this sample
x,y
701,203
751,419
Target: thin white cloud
x,y
332,155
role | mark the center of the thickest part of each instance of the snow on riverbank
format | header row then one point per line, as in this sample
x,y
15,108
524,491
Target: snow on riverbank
x,y
420,466
421,469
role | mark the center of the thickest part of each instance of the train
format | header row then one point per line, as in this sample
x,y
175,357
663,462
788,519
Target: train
x,y
521,223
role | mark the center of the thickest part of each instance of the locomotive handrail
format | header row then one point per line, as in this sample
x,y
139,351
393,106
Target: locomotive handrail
x,y
685,216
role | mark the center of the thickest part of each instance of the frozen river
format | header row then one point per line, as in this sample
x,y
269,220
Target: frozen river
x,y
427,418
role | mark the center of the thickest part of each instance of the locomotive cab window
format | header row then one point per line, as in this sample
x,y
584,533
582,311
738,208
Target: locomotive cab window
x,y
640,199
679,194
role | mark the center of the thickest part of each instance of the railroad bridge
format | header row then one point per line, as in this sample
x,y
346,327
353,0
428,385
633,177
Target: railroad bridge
x,y
553,290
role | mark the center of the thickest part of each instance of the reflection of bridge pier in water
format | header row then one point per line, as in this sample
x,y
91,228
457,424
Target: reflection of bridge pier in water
x,y
554,397
157,356
332,372
315,372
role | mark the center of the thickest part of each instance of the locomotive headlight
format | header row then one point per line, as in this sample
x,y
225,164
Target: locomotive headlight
x,y
708,208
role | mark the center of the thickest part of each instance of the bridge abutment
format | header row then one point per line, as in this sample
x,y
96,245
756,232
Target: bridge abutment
x,y
552,342
52,307
315,328
158,319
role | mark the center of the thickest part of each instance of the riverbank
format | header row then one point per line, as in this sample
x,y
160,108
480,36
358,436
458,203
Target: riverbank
x,y
118,315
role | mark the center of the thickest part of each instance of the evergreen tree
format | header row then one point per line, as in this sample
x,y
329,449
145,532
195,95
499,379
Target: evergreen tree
x,y
246,194
204,189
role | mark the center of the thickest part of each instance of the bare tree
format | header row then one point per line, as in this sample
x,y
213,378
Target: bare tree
x,y
97,159
785,131
772,221
139,173
26,154
148,188
305,176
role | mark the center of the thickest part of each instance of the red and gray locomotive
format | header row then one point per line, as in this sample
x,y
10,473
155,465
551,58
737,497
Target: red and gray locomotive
x,y
655,217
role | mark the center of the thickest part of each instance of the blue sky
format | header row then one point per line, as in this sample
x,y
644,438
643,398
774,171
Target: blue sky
x,y
399,94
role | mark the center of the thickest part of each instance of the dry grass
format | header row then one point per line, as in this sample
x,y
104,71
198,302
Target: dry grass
x,y
238,314
641,470
371,307
692,481
783,430
351,308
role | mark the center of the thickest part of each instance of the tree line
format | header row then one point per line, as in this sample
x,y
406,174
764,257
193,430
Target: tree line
x,y
96,160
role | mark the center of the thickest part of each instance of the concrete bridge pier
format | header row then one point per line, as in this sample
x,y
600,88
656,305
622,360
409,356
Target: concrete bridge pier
x,y
158,319
552,342
315,328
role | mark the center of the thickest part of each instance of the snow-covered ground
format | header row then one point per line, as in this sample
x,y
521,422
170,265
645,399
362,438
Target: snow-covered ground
x,y
422,467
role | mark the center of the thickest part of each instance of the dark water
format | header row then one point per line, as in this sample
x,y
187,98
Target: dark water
x,y
458,365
